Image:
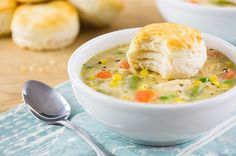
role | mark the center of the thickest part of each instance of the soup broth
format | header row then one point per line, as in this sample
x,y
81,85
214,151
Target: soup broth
x,y
109,73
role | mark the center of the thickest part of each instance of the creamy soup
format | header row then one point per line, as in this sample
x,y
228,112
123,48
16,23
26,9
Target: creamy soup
x,y
110,73
215,2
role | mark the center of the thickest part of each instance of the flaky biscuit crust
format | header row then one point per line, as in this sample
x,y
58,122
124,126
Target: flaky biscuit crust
x,y
45,26
177,36
172,50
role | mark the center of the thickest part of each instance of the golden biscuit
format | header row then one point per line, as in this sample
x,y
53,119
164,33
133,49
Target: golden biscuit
x,y
173,50
45,26
7,8
98,12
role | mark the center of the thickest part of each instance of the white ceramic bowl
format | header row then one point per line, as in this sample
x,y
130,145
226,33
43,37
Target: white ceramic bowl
x,y
149,124
218,21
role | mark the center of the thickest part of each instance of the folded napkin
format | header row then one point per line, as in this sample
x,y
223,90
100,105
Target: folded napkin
x,y
21,134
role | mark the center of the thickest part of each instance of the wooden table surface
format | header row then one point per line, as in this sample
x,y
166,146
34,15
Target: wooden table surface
x,y
18,65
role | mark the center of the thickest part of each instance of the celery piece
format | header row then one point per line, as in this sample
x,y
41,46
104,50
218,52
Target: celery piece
x,y
197,90
132,81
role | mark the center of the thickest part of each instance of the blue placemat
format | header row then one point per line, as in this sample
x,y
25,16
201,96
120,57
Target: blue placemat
x,y
21,134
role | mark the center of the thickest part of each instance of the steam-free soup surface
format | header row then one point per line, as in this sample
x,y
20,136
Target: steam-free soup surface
x,y
109,73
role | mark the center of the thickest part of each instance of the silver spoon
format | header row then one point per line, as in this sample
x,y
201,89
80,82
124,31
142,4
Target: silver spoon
x,y
49,106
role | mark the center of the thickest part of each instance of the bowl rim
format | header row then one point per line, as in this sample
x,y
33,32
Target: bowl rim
x,y
182,3
75,79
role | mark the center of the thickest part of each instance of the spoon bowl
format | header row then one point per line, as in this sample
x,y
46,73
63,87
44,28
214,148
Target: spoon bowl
x,y
36,96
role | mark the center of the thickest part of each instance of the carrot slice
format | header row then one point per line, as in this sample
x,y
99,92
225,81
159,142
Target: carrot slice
x,y
124,64
229,74
103,74
145,95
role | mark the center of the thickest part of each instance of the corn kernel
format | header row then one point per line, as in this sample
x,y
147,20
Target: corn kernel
x,y
144,72
216,83
91,77
103,61
143,86
114,83
179,99
213,78
197,83
117,77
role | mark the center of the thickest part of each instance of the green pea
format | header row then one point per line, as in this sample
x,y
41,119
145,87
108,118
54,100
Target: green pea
x,y
204,79
229,82
132,81
197,90
164,98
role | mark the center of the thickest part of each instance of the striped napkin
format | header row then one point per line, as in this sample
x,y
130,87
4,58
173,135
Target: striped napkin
x,y
22,135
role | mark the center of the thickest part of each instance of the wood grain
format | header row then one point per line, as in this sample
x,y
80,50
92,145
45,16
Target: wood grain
x,y
18,65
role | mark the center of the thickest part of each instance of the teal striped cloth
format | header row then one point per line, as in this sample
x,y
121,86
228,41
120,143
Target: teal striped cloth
x,y
22,135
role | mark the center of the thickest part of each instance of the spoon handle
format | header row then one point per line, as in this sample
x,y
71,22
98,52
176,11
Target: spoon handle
x,y
100,151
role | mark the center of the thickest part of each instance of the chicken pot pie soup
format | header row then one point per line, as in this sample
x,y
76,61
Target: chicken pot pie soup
x,y
118,73
110,74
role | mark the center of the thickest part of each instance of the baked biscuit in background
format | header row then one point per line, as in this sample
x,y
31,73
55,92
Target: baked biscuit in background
x,y
7,8
98,12
31,1
45,26
173,50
